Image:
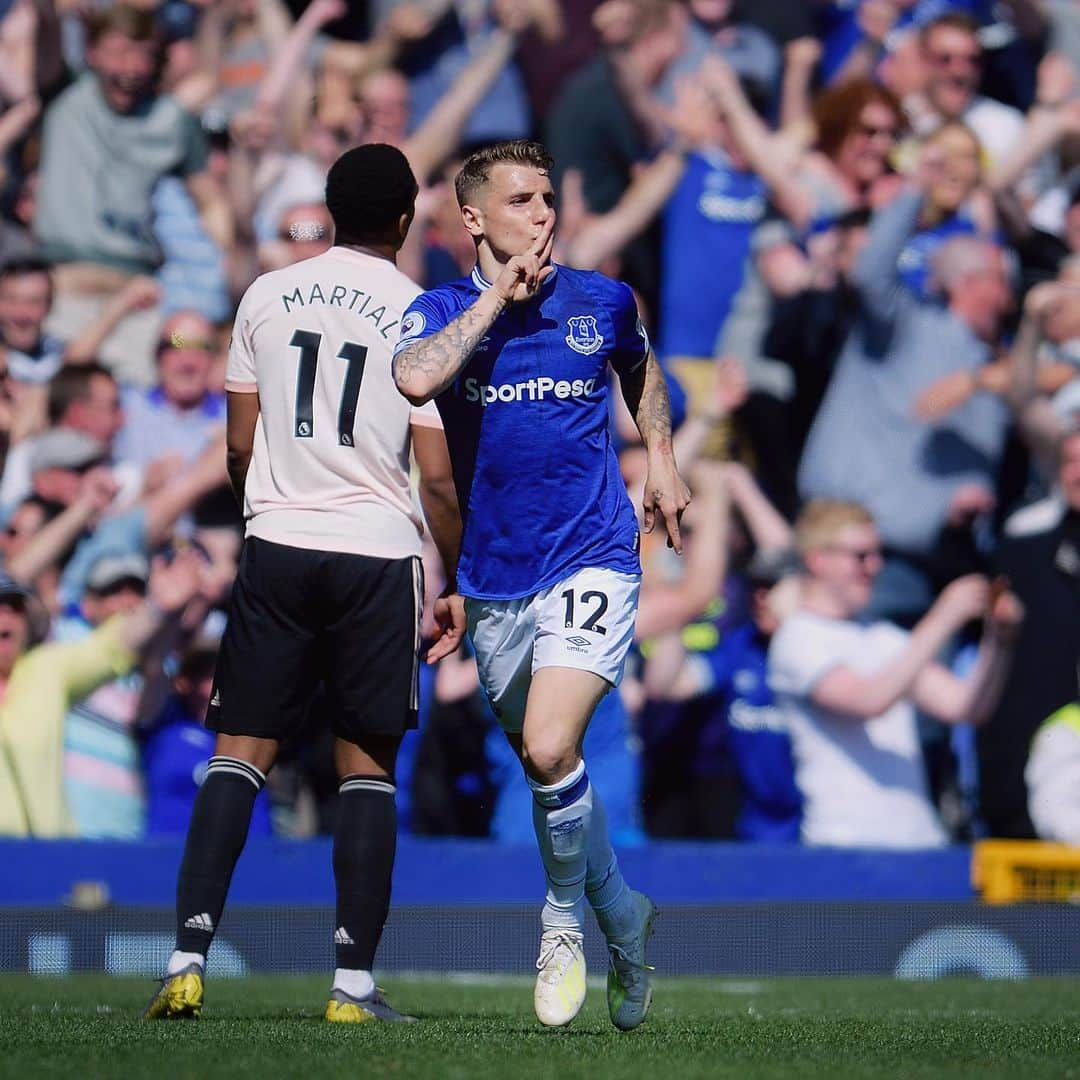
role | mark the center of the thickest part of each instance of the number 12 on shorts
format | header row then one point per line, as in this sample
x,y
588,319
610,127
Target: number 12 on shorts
x,y
596,603
308,342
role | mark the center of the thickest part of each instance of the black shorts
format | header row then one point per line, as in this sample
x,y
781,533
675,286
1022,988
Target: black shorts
x,y
300,617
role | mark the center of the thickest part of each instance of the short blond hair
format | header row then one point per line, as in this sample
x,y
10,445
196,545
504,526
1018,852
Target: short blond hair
x,y
822,521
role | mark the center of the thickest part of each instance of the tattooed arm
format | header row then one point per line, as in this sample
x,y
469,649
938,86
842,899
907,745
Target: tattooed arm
x,y
646,395
424,370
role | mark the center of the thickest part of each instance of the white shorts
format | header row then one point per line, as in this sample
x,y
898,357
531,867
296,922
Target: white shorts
x,y
584,622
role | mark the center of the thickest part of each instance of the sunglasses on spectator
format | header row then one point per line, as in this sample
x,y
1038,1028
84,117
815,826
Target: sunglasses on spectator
x,y
946,59
872,131
861,555
182,344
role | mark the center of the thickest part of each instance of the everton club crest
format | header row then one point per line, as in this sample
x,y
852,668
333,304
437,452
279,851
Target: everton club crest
x,y
582,335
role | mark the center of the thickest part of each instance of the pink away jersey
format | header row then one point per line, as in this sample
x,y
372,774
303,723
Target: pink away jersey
x,y
330,466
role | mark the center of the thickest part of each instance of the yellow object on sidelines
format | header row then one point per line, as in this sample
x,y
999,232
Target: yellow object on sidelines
x,y
1025,872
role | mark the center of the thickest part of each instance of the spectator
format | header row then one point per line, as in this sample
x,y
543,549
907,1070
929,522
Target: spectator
x,y
1037,379
1052,776
42,682
61,456
955,205
1040,553
181,414
148,522
590,128
848,690
924,485
699,675
41,533
809,328
304,231
178,748
102,776
954,64
715,28
1047,144
688,786
433,62
716,671
848,168
116,131
33,356
82,401
707,226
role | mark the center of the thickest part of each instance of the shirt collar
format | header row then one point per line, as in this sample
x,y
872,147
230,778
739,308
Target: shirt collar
x,y
482,282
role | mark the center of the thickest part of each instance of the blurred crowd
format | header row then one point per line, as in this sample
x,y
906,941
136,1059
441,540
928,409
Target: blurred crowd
x,y
853,227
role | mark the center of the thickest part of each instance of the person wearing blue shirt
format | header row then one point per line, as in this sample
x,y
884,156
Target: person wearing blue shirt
x,y
179,748
952,207
841,32
718,756
708,224
182,413
515,356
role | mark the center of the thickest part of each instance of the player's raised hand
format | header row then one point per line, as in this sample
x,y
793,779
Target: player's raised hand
x,y
450,623
668,495
523,275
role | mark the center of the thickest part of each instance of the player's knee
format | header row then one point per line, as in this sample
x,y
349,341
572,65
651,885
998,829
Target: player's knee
x,y
547,758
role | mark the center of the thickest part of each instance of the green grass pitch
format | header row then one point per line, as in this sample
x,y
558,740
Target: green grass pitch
x,y
790,1028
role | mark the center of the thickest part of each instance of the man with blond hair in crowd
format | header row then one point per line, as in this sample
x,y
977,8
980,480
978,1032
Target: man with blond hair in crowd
x,y
849,690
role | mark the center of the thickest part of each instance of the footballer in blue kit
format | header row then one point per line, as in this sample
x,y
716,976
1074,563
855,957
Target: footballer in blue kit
x,y
516,357
527,425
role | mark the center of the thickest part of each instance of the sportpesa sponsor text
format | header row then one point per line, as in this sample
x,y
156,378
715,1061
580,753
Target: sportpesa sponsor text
x,y
531,390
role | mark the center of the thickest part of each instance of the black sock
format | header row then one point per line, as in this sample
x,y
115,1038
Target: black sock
x,y
364,844
215,838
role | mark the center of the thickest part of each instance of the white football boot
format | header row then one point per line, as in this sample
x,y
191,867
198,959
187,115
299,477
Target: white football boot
x,y
560,979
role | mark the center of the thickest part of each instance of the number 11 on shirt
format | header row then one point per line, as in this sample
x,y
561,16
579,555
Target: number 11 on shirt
x,y
308,342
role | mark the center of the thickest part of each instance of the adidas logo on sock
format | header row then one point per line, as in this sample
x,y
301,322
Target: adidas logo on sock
x,y
341,937
200,922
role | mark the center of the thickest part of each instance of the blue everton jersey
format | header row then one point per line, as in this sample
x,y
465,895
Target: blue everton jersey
x,y
527,425
708,224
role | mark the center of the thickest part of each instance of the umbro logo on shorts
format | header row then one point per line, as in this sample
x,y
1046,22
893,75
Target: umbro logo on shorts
x,y
579,641
200,922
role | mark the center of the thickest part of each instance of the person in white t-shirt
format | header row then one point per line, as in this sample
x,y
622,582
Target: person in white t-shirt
x,y
848,690
329,588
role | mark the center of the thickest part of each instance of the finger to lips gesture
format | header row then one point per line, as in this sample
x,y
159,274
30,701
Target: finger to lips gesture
x,y
523,274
